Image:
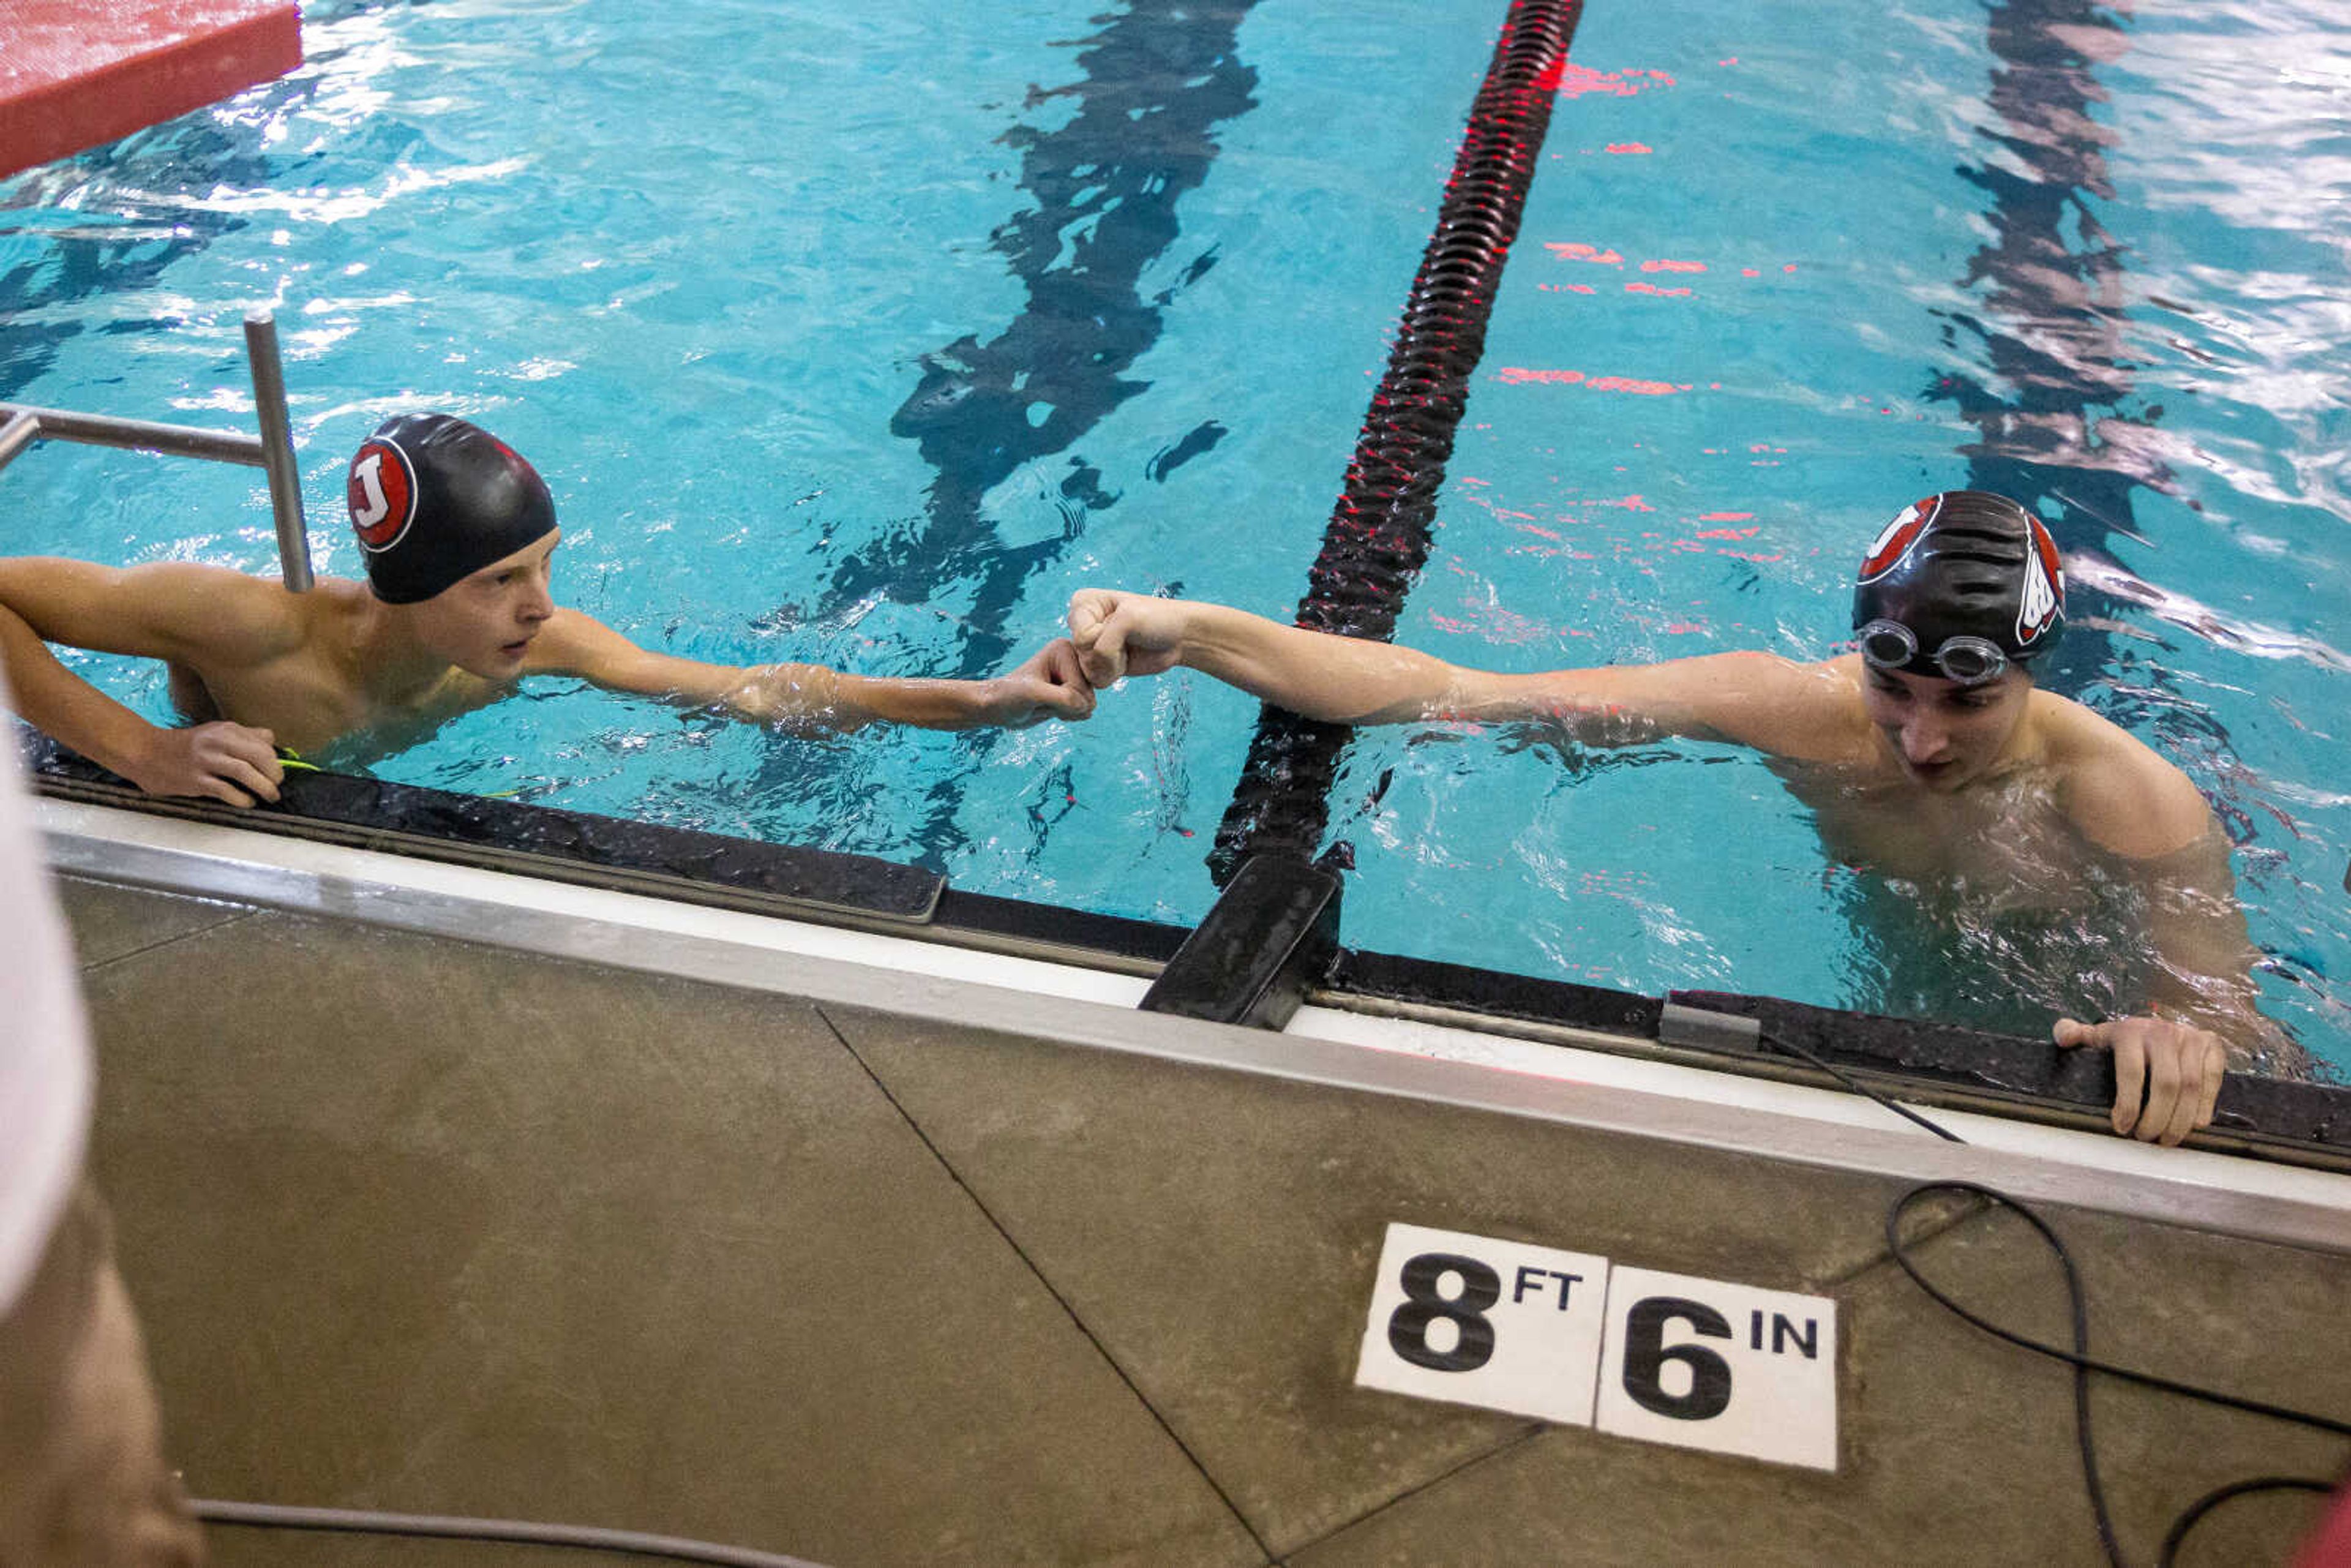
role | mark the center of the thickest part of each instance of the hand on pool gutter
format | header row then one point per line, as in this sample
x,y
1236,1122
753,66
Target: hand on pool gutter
x,y
2167,1075
222,761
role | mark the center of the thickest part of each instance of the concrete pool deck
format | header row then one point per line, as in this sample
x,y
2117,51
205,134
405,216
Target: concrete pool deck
x,y
812,1251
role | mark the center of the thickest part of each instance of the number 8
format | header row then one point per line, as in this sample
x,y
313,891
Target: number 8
x,y
1408,1324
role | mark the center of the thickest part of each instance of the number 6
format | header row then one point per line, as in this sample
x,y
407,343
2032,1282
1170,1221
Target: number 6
x,y
1646,1354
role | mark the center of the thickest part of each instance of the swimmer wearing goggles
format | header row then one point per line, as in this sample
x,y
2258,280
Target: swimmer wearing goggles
x,y
1960,586
1928,755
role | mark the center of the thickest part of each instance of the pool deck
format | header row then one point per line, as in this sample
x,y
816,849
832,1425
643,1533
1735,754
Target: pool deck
x,y
866,1262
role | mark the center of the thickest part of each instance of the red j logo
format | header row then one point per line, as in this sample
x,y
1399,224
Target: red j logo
x,y
382,495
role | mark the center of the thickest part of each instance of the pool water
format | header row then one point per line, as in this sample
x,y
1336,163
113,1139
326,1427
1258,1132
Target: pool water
x,y
866,337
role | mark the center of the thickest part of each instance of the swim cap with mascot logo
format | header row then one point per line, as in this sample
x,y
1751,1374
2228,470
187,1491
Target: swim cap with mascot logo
x,y
1958,586
434,498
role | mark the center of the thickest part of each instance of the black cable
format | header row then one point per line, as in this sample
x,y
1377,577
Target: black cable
x,y
2145,1379
269,1516
1858,1087
2079,1358
2214,1499
2084,1363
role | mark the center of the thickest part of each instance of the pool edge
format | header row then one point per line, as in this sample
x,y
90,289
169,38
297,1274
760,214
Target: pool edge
x,y
1584,1082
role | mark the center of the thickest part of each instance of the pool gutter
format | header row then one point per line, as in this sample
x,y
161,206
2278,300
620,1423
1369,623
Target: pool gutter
x,y
1553,1073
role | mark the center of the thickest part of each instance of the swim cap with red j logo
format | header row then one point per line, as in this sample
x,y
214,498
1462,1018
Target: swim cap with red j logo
x,y
1964,564
434,498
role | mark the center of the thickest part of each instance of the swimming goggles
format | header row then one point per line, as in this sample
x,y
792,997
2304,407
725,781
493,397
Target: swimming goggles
x,y
1891,646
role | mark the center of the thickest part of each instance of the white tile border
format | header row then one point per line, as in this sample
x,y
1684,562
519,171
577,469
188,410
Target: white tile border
x,y
1072,1004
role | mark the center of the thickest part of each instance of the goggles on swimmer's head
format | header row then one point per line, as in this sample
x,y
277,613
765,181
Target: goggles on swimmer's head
x,y
1971,661
1970,571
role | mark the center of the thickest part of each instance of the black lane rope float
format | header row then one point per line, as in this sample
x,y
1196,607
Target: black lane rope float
x,y
1378,537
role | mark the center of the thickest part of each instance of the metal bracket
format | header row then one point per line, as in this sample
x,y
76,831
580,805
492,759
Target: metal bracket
x,y
272,451
1702,1027
1271,938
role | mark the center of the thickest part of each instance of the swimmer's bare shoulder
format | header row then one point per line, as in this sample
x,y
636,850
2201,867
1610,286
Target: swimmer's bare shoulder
x,y
181,612
2117,790
217,625
575,643
2124,797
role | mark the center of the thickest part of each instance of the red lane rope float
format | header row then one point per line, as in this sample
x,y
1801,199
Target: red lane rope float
x,y
78,73
1377,539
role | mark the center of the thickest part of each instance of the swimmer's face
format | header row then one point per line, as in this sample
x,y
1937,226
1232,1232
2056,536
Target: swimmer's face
x,y
483,623
1945,735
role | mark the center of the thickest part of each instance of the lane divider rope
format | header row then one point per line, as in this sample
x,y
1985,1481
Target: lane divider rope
x,y
1378,535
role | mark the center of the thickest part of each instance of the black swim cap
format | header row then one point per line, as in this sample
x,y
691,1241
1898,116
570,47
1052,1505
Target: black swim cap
x,y
434,498
1964,564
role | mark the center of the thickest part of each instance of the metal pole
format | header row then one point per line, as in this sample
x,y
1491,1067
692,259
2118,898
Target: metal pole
x,y
277,449
18,431
139,435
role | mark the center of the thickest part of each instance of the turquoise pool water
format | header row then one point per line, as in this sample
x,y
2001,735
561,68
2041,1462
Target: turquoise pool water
x,y
866,337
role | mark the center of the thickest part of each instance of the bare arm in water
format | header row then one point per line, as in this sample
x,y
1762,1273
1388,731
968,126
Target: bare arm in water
x,y
2203,1008
811,698
1776,705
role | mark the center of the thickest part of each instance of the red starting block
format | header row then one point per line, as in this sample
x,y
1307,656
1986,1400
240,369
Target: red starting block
x,y
76,73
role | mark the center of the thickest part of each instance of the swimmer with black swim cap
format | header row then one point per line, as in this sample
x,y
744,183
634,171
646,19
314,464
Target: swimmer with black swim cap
x,y
458,534
1955,601
434,499
1927,756
1960,586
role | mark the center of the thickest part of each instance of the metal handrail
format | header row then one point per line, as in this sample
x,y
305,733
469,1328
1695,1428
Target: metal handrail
x,y
139,434
17,433
272,451
277,449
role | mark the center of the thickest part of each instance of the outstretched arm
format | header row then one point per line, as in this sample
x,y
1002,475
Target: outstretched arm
x,y
1771,704
185,613
810,698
